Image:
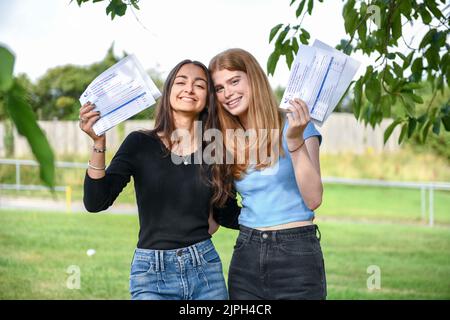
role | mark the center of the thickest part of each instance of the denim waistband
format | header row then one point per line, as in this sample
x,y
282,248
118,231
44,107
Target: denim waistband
x,y
279,235
191,253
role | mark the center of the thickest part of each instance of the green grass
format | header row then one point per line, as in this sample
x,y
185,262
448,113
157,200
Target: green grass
x,y
36,248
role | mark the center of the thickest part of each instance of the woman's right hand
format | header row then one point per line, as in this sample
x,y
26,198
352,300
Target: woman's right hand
x,y
87,119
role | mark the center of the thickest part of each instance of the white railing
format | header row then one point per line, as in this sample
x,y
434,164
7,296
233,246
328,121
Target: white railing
x,y
422,186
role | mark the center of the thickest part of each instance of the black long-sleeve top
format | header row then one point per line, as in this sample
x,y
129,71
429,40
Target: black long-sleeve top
x,y
172,199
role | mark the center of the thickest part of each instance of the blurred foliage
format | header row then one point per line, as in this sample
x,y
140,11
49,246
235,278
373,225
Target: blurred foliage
x,y
55,95
398,76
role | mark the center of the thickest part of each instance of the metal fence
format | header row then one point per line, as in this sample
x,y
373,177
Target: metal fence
x,y
424,187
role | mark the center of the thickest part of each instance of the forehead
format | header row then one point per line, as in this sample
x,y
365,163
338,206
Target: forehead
x,y
192,71
224,75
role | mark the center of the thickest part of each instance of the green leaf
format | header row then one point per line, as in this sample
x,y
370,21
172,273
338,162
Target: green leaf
x,y
373,90
431,5
25,122
407,60
426,130
437,126
427,38
446,122
6,69
386,104
282,36
357,92
390,129
274,31
426,16
432,55
396,27
412,123
272,62
295,46
403,133
299,10
289,57
310,6
350,20
398,70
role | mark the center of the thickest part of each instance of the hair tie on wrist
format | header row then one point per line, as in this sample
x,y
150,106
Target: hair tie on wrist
x,y
301,145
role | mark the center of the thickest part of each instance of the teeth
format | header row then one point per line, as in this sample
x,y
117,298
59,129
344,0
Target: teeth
x,y
233,102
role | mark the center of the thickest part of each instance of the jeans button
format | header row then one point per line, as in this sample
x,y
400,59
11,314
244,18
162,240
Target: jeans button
x,y
265,235
179,253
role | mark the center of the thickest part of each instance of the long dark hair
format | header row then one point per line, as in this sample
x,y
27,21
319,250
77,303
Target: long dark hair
x,y
164,127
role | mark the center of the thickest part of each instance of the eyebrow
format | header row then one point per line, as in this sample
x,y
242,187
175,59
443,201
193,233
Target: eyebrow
x,y
195,79
228,81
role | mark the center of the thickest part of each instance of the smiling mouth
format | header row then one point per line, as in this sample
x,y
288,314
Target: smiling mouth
x,y
187,99
233,103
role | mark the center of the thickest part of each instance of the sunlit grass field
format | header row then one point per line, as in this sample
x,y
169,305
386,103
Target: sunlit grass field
x,y
38,248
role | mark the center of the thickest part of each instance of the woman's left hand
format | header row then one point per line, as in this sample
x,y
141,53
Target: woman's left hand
x,y
298,119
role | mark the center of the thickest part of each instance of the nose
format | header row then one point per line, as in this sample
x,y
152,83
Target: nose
x,y
227,93
189,88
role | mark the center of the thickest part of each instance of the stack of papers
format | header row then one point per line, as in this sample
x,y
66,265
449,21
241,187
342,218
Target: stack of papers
x,y
320,75
119,93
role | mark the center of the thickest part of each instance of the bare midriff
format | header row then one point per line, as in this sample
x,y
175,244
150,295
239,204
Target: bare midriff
x,y
289,225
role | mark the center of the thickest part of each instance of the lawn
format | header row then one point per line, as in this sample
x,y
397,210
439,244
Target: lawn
x,y
38,248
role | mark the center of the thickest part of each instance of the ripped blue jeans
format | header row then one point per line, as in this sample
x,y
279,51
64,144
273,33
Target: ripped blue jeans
x,y
191,273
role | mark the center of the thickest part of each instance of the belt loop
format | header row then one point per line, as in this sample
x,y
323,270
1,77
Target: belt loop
x,y
157,260
132,259
197,255
318,231
194,260
161,259
250,234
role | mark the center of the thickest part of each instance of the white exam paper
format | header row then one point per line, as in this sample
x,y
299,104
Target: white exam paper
x,y
320,75
119,93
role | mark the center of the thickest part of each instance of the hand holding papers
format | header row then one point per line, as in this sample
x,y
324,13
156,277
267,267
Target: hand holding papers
x,y
320,75
120,92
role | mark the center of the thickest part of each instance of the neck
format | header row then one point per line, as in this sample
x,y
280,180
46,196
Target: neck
x,y
186,123
243,119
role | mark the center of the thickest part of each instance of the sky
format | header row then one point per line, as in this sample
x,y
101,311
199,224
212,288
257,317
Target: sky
x,y
48,33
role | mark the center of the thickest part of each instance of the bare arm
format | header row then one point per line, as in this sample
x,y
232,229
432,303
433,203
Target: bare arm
x,y
304,155
87,119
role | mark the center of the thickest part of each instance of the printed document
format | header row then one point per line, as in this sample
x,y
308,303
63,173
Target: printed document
x,y
119,93
320,75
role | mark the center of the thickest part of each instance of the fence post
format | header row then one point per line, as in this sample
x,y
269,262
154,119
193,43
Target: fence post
x,y
68,199
423,202
431,208
17,175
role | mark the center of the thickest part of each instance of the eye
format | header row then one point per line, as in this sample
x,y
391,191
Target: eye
x,y
235,82
219,89
180,83
200,86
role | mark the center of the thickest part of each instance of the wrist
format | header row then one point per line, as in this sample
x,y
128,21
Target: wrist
x,y
295,145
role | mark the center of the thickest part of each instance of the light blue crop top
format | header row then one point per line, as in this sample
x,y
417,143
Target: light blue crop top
x,y
271,197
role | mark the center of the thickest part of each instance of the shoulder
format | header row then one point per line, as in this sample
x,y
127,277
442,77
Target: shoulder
x,y
136,139
311,131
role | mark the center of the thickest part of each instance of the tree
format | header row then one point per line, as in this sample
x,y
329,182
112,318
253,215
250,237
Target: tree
x,y
57,92
16,106
388,89
396,79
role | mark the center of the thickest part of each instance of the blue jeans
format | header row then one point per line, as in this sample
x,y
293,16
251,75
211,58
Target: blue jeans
x,y
191,273
277,265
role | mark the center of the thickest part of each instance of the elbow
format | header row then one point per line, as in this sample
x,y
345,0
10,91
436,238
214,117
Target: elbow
x,y
314,204
90,207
